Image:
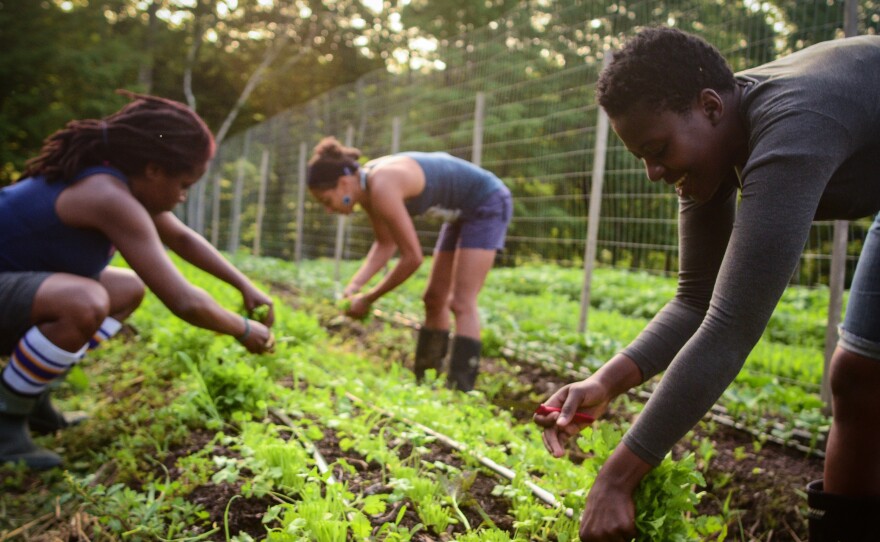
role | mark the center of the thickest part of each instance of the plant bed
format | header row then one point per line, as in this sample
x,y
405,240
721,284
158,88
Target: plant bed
x,y
182,445
760,487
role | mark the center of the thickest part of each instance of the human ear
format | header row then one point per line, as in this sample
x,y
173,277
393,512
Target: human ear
x,y
712,105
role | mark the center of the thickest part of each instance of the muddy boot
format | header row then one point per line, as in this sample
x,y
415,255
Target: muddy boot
x,y
431,347
464,363
45,418
838,518
15,440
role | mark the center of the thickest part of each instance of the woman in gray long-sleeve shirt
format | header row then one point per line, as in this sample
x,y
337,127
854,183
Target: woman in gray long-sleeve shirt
x,y
798,139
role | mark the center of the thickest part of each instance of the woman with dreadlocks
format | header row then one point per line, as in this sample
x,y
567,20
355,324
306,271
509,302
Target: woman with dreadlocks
x,y
100,185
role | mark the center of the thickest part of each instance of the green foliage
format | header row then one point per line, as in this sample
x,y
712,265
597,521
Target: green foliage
x,y
56,66
287,463
664,506
260,313
222,386
153,513
234,387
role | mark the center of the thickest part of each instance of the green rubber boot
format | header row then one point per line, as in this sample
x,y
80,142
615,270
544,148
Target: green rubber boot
x,y
839,518
45,419
464,363
15,439
431,348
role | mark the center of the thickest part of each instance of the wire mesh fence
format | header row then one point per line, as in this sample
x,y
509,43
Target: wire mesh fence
x,y
516,97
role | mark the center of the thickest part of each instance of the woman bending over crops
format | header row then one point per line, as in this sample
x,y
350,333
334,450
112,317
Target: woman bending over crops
x,y
796,139
475,207
96,187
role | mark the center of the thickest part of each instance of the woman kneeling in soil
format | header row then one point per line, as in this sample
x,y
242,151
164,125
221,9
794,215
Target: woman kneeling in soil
x,y
100,185
754,158
475,206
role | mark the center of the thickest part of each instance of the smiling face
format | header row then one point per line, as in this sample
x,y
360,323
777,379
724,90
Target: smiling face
x,y
689,151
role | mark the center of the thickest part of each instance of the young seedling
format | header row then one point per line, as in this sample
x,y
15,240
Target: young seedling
x,y
260,313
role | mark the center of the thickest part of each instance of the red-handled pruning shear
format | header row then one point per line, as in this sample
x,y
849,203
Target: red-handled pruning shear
x,y
583,417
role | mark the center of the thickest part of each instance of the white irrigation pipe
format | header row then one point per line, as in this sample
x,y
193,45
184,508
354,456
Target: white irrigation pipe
x,y
323,468
538,491
718,413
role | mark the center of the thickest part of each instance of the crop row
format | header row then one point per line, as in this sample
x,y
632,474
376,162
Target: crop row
x,y
185,446
532,312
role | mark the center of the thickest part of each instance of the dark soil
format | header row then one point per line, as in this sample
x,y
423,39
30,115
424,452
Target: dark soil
x,y
227,506
765,483
760,487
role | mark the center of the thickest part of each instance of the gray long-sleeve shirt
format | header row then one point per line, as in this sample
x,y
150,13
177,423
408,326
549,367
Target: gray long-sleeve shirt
x,y
813,122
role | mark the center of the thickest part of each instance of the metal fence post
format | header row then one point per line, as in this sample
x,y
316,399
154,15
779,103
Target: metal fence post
x,y
598,178
837,278
349,141
261,201
200,208
189,211
479,119
235,223
396,124
215,207
835,302
341,225
300,203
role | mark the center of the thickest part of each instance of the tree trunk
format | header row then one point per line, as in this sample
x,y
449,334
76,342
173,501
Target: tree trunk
x,y
145,73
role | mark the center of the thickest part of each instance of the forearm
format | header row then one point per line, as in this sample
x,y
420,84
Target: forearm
x,y
704,231
655,347
377,257
196,250
198,308
405,267
618,375
623,470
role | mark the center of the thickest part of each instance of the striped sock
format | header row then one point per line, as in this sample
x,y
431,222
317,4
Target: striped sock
x,y
109,327
36,362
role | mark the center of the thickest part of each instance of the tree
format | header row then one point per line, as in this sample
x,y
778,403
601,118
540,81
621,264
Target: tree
x,y
265,37
56,65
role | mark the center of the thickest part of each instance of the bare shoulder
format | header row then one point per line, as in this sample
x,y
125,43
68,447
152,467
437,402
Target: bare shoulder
x,y
396,174
98,200
393,163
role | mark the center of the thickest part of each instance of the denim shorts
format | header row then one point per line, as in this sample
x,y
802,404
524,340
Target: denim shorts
x,y
17,291
485,227
860,332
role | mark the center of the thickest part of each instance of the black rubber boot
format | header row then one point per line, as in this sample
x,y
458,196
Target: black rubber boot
x,y
45,418
464,363
838,518
15,439
431,348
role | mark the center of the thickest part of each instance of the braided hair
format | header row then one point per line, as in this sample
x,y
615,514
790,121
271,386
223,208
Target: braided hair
x,y
147,130
331,160
664,69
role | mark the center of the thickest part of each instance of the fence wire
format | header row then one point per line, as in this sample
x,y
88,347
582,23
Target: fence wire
x,y
536,71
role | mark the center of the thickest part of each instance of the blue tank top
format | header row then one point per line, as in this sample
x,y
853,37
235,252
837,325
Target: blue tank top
x,y
453,187
33,238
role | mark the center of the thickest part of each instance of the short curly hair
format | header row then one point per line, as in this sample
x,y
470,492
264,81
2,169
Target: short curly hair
x,y
663,68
